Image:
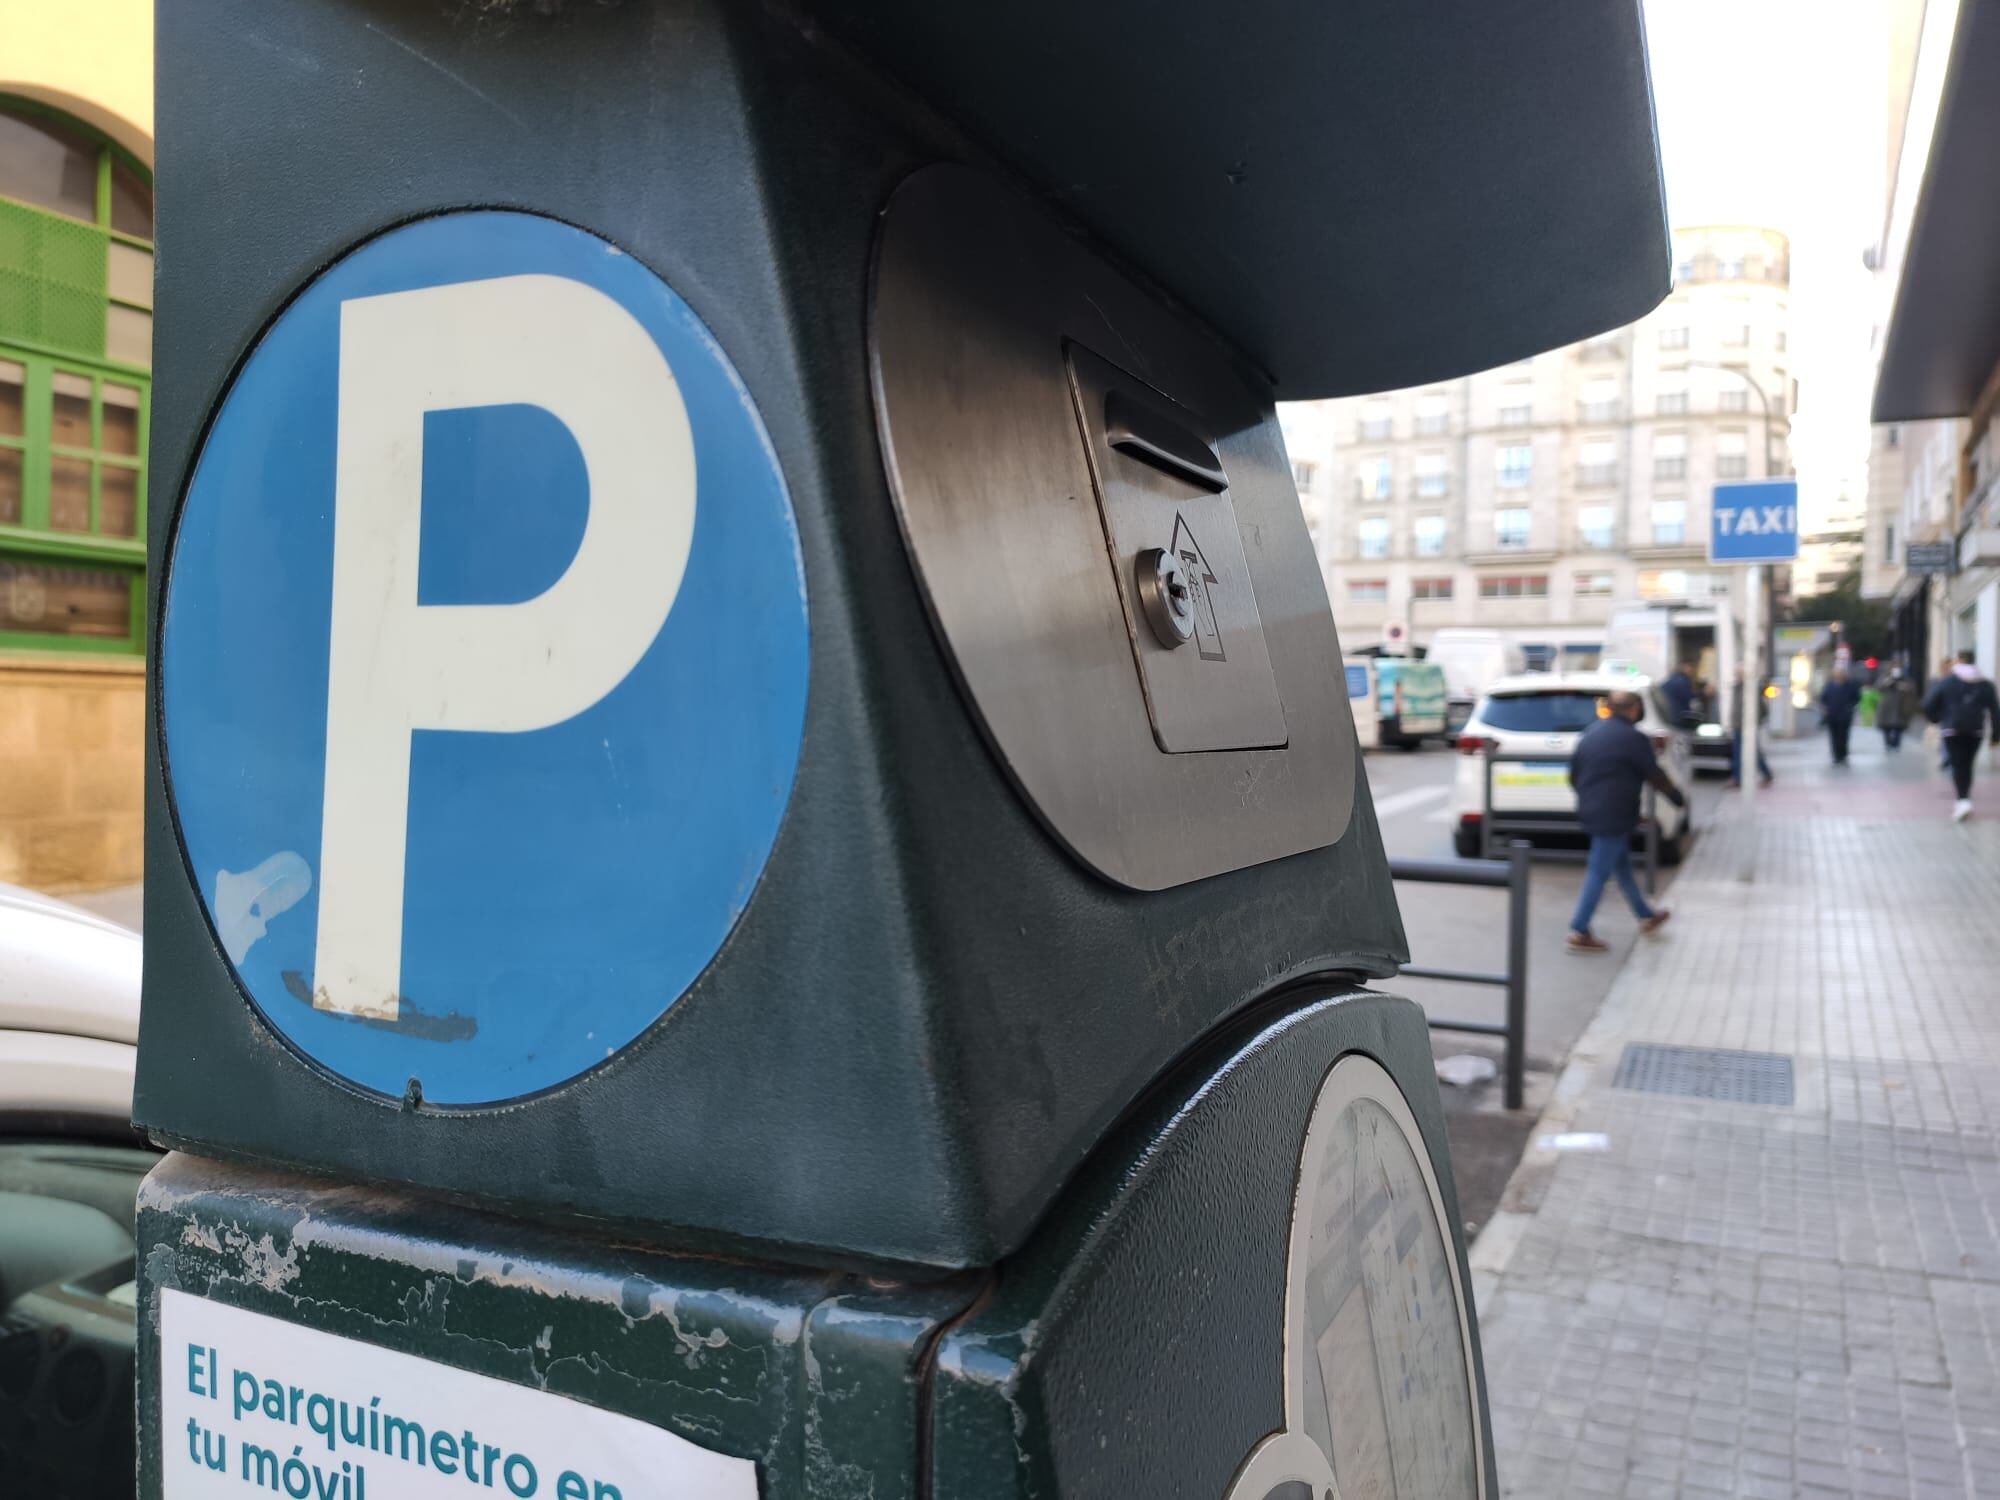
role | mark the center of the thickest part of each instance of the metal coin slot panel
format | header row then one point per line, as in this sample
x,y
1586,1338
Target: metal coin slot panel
x,y
1162,490
1032,477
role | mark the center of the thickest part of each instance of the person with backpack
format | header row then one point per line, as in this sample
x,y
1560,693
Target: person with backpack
x,y
1897,702
1962,706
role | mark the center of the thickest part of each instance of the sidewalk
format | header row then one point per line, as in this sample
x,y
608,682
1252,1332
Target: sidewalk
x,y
1765,1299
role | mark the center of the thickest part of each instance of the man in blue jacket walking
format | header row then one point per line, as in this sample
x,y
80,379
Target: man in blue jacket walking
x,y
1837,702
1613,762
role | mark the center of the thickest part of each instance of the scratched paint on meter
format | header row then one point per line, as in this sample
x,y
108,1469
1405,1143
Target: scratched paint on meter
x,y
484,658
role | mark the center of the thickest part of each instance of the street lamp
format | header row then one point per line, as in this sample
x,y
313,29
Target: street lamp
x,y
1763,400
1752,695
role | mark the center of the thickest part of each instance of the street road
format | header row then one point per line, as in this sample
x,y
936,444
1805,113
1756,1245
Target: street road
x,y
1466,927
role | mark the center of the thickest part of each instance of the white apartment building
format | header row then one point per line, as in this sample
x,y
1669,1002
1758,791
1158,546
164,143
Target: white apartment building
x,y
1541,496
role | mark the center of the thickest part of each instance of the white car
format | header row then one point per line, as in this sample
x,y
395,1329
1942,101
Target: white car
x,y
1542,715
70,1167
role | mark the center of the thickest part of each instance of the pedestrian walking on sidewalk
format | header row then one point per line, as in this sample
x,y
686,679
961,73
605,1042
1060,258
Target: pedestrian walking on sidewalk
x,y
1892,713
1613,762
1837,702
1943,673
1735,716
1962,706
1677,691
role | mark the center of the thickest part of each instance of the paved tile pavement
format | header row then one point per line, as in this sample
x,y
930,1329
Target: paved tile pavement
x,y
1757,1300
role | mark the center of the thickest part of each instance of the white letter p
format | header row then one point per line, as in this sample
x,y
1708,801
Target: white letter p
x,y
395,666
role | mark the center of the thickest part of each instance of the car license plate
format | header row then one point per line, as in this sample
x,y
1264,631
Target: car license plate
x,y
1532,773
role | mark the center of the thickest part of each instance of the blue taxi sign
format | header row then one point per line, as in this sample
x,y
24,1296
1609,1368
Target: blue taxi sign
x,y
1754,521
483,659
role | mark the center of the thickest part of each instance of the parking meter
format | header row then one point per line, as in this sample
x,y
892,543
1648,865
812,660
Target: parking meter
x,y
758,883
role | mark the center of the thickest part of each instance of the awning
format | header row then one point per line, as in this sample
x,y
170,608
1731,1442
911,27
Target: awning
x,y
1360,196
1944,333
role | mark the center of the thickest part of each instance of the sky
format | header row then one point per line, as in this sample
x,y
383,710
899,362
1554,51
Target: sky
x,y
1774,112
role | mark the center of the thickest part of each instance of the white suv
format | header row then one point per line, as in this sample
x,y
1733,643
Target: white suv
x,y
1543,714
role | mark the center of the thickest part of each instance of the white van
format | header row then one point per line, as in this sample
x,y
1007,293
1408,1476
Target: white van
x,y
1397,701
1473,660
1361,700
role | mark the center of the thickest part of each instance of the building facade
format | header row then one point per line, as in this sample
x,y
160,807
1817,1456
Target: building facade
x,y
1540,497
76,277
1937,390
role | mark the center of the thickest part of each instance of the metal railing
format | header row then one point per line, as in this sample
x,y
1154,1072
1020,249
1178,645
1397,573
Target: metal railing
x,y
1510,874
1493,825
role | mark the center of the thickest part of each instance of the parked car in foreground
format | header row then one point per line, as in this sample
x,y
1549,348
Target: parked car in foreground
x,y
1542,715
70,1167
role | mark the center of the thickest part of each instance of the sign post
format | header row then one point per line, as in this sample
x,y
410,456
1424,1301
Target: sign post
x,y
1753,522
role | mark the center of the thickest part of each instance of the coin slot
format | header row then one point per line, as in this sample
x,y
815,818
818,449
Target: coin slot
x,y
1152,437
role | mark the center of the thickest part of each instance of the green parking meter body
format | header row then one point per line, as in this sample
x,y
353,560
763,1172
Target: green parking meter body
x,y
757,879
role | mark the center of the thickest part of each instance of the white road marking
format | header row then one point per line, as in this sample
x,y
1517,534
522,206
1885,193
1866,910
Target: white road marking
x,y
1401,802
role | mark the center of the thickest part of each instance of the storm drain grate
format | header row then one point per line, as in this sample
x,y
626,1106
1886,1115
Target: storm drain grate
x,y
1706,1073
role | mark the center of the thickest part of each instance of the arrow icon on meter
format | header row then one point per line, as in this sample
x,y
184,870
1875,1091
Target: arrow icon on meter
x,y
1201,584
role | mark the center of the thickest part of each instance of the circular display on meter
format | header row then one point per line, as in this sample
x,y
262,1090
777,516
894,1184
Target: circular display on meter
x,y
1378,1350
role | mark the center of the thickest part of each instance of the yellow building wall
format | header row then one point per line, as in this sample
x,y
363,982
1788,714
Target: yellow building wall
x,y
91,58
72,725
72,770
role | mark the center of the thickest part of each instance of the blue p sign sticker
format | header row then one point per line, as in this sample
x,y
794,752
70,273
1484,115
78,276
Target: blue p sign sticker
x,y
484,657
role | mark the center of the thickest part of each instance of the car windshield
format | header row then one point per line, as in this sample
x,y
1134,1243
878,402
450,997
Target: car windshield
x,y
1541,713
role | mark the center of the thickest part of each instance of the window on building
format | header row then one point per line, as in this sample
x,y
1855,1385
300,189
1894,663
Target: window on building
x,y
1598,399
1304,472
1778,340
1374,478
1513,465
1517,404
1732,454
1729,266
76,293
1375,424
1431,477
1599,462
1367,591
1515,586
1735,392
1428,533
1680,583
1736,330
1595,525
1430,588
1433,414
1670,455
1510,526
1596,585
1674,336
1374,535
1602,346
1670,395
1895,436
1670,518
1889,543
